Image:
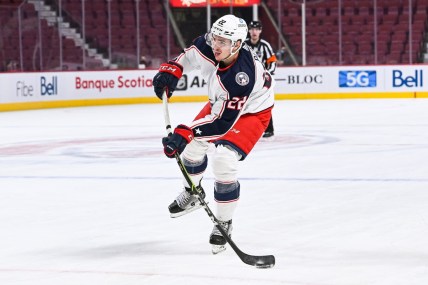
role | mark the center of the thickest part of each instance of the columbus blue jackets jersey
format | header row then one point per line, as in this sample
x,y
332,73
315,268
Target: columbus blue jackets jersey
x,y
240,88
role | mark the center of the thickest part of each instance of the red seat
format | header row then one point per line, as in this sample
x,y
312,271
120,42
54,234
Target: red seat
x,y
364,11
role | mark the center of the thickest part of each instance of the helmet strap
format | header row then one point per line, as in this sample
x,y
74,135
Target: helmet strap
x,y
231,51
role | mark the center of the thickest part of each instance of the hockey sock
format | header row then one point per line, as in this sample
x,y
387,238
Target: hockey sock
x,y
195,169
226,196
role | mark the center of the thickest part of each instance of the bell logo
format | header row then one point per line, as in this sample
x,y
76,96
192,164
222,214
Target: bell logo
x,y
408,80
48,87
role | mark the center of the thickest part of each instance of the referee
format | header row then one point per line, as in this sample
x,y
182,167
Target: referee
x,y
264,51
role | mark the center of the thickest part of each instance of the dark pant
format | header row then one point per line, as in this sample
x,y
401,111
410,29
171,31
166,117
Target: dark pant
x,y
270,126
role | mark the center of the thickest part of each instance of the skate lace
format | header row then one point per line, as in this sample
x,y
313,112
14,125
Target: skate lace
x,y
184,199
224,225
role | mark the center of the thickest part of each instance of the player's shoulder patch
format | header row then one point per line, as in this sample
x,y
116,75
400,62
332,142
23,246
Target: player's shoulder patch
x,y
239,79
242,78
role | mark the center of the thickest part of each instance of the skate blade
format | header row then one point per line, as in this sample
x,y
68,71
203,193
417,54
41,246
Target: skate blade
x,y
216,249
268,139
182,213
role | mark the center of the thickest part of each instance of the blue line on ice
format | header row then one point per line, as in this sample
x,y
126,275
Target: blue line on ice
x,y
303,179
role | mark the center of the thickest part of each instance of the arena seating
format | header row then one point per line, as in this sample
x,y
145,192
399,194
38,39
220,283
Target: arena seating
x,y
357,38
10,39
322,38
152,27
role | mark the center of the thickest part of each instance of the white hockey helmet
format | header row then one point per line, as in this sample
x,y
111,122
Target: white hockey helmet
x,y
230,27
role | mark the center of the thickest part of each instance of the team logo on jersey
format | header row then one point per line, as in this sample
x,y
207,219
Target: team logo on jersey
x,y
242,78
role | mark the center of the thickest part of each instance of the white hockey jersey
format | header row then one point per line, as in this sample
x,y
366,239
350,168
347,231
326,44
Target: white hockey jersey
x,y
240,88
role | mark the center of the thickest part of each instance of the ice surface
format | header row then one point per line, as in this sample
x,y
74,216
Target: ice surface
x,y
339,196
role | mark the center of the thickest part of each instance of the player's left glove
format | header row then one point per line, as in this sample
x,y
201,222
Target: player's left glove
x,y
167,78
177,141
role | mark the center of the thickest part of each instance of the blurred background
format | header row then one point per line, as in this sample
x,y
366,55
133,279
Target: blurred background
x,y
129,34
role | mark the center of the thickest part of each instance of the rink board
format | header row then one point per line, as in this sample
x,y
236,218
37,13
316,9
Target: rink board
x,y
35,90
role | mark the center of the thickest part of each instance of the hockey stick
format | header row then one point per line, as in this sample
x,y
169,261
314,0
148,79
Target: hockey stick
x,y
264,261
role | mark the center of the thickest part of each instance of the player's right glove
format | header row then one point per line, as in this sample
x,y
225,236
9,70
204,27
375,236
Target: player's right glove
x,y
167,78
177,141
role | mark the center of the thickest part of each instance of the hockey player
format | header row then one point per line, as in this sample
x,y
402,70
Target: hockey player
x,y
239,109
265,52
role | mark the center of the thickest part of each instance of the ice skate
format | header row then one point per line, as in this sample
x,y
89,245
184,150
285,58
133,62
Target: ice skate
x,y
185,203
217,240
268,134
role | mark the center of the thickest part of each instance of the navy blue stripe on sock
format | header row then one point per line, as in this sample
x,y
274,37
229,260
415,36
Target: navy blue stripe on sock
x,y
194,169
227,196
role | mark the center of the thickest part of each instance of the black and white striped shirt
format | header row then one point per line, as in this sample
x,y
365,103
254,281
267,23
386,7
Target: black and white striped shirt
x,y
265,52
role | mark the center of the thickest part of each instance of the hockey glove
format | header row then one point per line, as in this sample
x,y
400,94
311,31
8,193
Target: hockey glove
x,y
177,141
167,78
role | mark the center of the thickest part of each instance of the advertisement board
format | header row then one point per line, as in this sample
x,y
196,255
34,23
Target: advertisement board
x,y
61,89
60,86
333,82
352,82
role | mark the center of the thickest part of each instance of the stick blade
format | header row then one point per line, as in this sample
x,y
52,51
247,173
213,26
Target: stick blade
x,y
265,261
